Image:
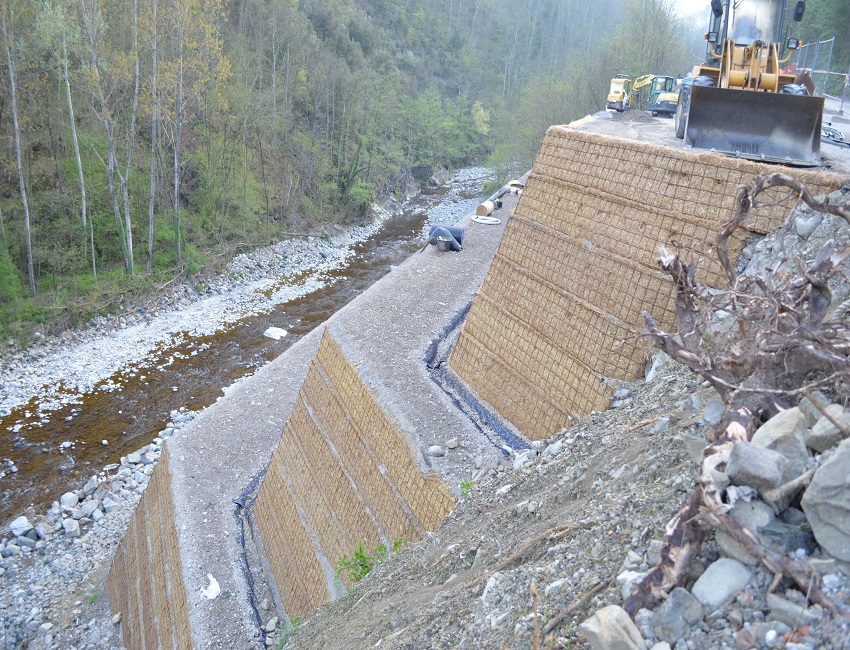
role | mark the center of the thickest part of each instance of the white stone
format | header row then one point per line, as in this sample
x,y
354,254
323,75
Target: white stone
x,y
72,527
91,485
452,444
21,526
436,451
272,624
69,500
721,582
610,628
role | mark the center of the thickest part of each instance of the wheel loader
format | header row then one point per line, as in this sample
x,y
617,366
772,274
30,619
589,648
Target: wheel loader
x,y
739,102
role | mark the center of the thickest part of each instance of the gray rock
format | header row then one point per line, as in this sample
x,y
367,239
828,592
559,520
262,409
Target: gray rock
x,y
676,615
436,450
90,486
785,538
790,613
751,464
272,624
628,580
109,504
523,457
622,393
810,412
149,457
720,583
752,515
11,550
785,433
90,506
69,500
78,513
26,541
553,449
452,444
134,458
97,515
20,526
806,224
662,424
713,411
610,628
140,477
695,443
827,503
824,434
72,527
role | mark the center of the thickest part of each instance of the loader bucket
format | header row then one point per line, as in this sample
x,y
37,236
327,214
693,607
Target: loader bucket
x,y
756,125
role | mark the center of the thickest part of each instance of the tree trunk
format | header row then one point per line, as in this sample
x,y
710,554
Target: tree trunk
x,y
154,134
10,64
77,158
177,113
125,177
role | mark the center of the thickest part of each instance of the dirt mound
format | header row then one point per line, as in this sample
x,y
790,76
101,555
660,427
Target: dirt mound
x,y
633,115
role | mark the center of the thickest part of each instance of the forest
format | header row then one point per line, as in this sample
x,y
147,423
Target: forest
x,y
145,140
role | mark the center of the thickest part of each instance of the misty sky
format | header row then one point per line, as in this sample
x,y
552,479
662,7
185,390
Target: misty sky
x,y
693,8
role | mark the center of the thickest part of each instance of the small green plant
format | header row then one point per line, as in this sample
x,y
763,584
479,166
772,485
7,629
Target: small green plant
x,y
397,544
465,487
287,631
356,567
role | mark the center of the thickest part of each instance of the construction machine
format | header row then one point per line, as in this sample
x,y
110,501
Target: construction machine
x,y
655,94
619,93
739,102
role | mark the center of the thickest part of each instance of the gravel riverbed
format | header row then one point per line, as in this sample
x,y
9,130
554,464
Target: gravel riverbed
x,y
53,564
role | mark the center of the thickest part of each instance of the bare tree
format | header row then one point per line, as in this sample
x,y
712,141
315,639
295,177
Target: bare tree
x,y
7,22
785,341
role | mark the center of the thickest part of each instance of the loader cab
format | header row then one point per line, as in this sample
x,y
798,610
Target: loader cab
x,y
748,21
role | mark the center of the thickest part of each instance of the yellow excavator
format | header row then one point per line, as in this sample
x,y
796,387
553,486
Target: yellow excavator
x,y
739,102
655,94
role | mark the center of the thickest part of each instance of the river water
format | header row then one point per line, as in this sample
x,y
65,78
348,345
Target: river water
x,y
133,406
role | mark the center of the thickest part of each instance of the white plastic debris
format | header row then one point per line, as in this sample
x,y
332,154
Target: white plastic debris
x,y
211,591
275,333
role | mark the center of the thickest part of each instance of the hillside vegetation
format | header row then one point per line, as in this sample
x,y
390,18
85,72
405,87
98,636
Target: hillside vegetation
x,y
147,139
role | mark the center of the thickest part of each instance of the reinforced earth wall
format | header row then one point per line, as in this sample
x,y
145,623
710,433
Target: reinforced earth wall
x,y
560,308
342,474
145,580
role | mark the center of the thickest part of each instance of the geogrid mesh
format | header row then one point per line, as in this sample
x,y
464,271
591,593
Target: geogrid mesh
x,y
346,465
559,312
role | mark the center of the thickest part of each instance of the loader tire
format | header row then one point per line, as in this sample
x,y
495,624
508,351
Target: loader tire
x,y
680,117
793,89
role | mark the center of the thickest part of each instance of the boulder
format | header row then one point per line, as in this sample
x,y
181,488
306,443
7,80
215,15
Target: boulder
x,y
72,527
827,503
20,526
720,583
610,628
785,433
90,486
753,515
675,615
712,412
824,434
812,413
69,500
754,465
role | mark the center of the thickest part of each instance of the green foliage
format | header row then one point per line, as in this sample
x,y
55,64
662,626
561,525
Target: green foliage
x,y
360,564
287,631
465,487
317,108
10,281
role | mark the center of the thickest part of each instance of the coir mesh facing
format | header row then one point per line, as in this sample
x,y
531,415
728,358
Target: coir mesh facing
x,y
559,312
342,474
145,580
